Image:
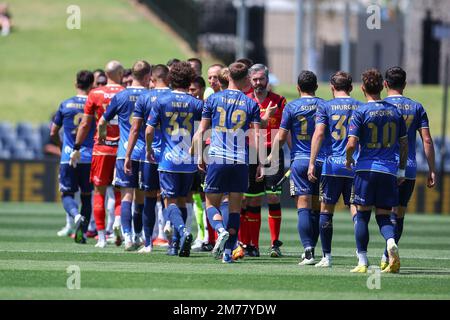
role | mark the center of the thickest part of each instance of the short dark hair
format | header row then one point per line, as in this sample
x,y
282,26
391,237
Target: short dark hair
x,y
140,69
395,77
200,81
248,62
196,60
99,71
307,81
181,75
85,79
238,71
172,62
160,71
372,81
341,81
127,72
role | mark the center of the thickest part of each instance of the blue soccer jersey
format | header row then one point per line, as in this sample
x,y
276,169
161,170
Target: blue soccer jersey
x,y
231,113
69,116
415,118
175,113
378,125
299,117
335,115
122,107
142,111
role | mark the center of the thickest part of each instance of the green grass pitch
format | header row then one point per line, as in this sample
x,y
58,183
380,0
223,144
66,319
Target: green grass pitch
x,y
34,261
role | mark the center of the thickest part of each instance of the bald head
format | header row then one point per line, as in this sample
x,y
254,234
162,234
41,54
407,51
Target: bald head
x,y
114,71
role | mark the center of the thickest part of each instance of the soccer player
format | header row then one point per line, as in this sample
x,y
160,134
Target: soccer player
x,y
299,119
271,106
213,80
172,62
197,65
175,112
332,123
99,78
121,107
127,78
248,63
104,152
196,198
224,78
416,120
148,170
72,179
197,88
380,130
229,113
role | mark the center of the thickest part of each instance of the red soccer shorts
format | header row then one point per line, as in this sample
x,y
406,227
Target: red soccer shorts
x,y
102,169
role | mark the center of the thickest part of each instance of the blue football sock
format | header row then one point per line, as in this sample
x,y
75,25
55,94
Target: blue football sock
x,y
304,227
361,220
326,231
315,221
137,217
69,204
224,212
216,224
86,209
126,216
149,218
386,226
184,214
232,223
175,217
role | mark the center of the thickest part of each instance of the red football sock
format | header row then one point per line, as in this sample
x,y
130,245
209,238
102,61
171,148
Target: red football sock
x,y
254,224
274,221
212,236
99,211
243,228
117,203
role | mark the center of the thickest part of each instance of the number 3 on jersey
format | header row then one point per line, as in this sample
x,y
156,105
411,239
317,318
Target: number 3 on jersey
x,y
174,128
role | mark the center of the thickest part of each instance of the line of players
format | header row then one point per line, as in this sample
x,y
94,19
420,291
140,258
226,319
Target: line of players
x,y
324,134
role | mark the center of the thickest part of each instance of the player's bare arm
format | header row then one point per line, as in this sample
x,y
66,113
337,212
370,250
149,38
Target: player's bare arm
x,y
428,148
132,139
403,158
54,134
149,135
316,143
82,133
259,170
278,142
101,128
198,143
350,150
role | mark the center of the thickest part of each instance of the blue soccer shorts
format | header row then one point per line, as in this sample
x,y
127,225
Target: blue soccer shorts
x,y
226,177
73,179
299,183
331,188
375,189
175,184
149,176
405,191
123,180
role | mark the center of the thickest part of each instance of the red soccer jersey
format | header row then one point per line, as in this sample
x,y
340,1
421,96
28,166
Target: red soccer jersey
x,y
96,104
275,120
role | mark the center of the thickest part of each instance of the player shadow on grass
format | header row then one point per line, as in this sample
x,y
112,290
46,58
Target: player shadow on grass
x,y
413,271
